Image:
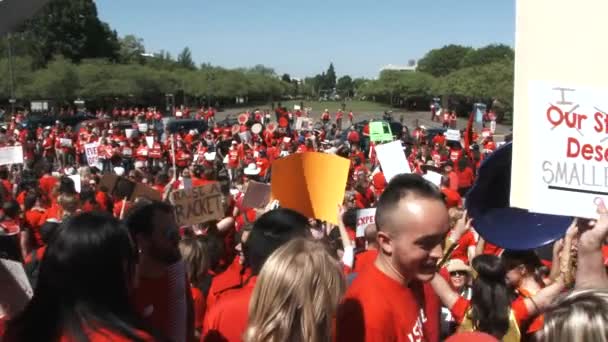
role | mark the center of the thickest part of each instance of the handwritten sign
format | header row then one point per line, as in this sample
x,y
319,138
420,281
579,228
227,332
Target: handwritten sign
x,y
569,159
198,205
257,195
91,151
304,124
535,60
11,155
380,131
63,142
16,289
365,217
452,135
392,159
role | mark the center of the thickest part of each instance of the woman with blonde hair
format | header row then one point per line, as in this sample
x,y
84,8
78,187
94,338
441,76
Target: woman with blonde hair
x,y
196,258
296,295
578,316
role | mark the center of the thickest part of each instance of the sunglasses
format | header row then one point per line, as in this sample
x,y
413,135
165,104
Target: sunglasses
x,y
458,274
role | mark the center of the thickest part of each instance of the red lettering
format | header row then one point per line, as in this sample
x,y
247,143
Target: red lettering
x,y
558,112
587,152
570,153
598,122
598,153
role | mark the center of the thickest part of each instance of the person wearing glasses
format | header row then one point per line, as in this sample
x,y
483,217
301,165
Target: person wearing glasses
x,y
460,278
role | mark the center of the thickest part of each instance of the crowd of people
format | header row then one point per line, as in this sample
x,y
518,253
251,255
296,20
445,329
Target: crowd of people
x,y
107,266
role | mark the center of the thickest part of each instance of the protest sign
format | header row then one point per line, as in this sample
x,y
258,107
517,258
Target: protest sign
x,y
76,179
198,205
365,217
245,136
91,151
16,289
568,161
257,195
311,183
11,155
392,159
150,141
121,187
433,177
142,127
144,191
130,133
452,135
63,142
304,124
380,131
535,60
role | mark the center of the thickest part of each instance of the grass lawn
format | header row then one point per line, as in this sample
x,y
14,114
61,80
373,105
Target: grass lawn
x,y
333,106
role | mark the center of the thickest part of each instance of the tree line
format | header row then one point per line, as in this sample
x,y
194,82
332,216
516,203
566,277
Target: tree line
x,y
65,52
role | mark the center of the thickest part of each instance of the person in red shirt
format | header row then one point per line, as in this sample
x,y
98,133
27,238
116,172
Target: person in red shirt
x,y
367,258
228,318
465,175
452,197
101,289
339,115
379,183
448,171
392,300
163,297
439,139
234,159
353,136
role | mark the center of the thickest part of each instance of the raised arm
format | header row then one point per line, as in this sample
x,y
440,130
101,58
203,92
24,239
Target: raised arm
x,y
590,271
445,292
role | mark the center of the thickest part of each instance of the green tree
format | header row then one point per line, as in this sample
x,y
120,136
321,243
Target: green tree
x,y
330,77
345,85
22,75
184,59
441,62
487,55
286,78
59,81
70,28
131,49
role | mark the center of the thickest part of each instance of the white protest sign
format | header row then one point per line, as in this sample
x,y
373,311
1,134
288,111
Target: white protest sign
x,y
365,217
392,159
569,168
142,127
433,177
150,141
130,132
63,142
452,135
11,155
493,126
304,124
91,151
536,40
296,107
77,184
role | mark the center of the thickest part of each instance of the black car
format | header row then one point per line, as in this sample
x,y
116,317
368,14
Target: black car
x,y
175,125
49,120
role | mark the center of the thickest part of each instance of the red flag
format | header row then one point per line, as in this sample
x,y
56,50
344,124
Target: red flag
x,y
468,133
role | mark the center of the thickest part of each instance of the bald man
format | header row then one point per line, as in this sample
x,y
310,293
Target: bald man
x,y
392,300
367,257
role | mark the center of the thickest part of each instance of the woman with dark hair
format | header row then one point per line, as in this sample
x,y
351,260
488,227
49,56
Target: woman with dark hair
x,y
82,293
490,309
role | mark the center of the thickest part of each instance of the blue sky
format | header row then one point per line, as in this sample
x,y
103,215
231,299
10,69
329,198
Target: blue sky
x,y
302,37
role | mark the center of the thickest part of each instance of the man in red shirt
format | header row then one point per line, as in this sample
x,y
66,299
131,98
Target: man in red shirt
x,y
227,320
163,297
392,300
366,258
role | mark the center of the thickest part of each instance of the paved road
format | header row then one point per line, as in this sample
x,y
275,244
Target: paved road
x,y
409,118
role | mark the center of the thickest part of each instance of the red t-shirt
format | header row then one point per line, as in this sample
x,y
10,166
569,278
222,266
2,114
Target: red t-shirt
x,y
452,198
199,306
491,249
229,279
364,260
465,177
47,183
467,240
378,308
227,320
104,335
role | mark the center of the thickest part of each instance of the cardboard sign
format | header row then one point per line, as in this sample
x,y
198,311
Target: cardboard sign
x,y
63,142
304,124
11,155
311,183
245,136
365,217
91,151
198,205
121,187
452,135
16,289
257,195
142,127
535,60
392,159
380,131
